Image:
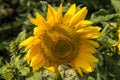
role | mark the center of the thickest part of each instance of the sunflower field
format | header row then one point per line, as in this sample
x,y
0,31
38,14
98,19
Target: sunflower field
x,y
59,39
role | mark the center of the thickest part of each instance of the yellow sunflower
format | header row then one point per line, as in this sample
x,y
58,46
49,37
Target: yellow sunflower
x,y
62,39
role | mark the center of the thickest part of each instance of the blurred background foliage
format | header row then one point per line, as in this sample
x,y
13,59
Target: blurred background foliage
x,y
14,16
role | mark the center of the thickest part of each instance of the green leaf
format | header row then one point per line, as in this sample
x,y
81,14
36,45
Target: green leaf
x,y
1,62
44,5
42,74
36,76
90,78
112,67
116,5
111,41
2,45
103,16
24,71
21,36
98,16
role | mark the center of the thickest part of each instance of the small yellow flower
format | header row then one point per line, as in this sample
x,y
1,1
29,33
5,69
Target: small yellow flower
x,y
118,41
62,39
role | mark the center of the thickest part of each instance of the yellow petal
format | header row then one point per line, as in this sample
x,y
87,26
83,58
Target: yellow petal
x,y
83,23
59,14
41,21
80,15
118,46
37,62
89,32
70,12
89,29
27,41
119,33
34,50
38,21
36,59
26,58
94,43
80,71
34,21
38,31
51,15
84,55
92,36
51,69
89,48
83,65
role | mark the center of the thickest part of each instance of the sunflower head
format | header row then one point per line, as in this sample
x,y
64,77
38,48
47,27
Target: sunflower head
x,y
62,39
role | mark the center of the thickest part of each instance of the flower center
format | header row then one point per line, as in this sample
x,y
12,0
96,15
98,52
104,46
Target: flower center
x,y
62,48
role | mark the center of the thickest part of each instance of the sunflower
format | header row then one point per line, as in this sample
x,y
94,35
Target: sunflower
x,y
62,39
